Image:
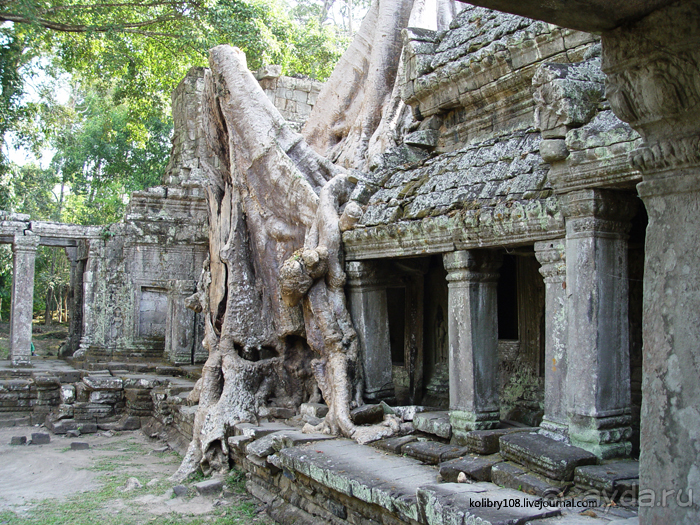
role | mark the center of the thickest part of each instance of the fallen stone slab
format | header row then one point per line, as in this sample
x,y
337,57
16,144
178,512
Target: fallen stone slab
x,y
40,438
79,445
407,413
393,444
450,503
477,468
486,442
435,423
271,443
511,476
367,415
431,452
545,456
258,431
209,487
610,478
18,440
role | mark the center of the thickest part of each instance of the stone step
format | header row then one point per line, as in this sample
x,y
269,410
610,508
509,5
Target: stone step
x,y
510,475
431,452
15,419
477,468
435,423
545,456
487,442
618,479
403,486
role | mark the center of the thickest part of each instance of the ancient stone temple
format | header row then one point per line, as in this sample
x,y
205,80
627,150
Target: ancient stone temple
x,y
510,271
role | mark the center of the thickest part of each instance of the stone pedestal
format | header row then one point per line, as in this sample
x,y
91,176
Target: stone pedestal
x,y
598,375
473,339
552,256
654,84
179,323
24,254
368,309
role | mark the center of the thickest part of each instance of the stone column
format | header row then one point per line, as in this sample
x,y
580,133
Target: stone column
x,y
90,297
473,339
598,375
368,309
23,256
552,256
653,69
179,323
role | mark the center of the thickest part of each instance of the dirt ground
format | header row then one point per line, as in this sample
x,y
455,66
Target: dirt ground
x,y
52,484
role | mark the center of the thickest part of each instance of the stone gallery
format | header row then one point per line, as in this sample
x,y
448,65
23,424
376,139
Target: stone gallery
x,y
473,247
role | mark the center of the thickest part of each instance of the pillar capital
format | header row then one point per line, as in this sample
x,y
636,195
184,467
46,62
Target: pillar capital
x,y
652,83
364,274
27,241
598,212
472,265
552,257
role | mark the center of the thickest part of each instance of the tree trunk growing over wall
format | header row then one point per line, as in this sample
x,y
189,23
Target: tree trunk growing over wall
x,y
272,290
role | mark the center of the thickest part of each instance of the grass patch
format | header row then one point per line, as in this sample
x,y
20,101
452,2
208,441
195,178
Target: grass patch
x,y
108,505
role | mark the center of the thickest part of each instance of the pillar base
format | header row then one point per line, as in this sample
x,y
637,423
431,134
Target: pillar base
x,y
606,437
22,361
554,430
463,421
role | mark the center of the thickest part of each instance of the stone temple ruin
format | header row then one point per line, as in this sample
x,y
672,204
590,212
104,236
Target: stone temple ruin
x,y
517,265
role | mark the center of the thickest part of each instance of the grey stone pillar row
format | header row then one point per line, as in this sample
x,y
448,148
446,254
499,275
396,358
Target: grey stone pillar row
x,y
473,340
23,257
598,375
552,256
179,323
654,84
369,311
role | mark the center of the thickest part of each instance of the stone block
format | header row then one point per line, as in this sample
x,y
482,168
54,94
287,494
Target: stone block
x,y
487,441
106,397
209,487
40,438
545,456
435,423
513,477
313,409
609,478
394,444
179,490
407,413
67,394
431,452
63,411
281,412
477,468
95,382
18,440
367,414
79,445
